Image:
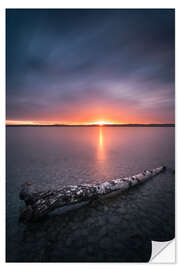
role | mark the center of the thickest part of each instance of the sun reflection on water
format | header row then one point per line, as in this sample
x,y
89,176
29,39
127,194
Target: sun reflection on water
x,y
101,154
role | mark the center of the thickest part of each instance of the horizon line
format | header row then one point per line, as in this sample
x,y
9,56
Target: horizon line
x,y
93,125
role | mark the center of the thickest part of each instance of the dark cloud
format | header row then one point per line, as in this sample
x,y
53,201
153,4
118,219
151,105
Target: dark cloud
x,y
58,60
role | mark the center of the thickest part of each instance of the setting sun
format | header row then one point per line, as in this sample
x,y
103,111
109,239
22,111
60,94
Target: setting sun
x,y
101,123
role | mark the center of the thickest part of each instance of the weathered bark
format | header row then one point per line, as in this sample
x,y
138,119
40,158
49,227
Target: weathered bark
x,y
39,203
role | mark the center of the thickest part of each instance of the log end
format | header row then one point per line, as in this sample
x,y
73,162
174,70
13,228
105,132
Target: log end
x,y
24,190
28,193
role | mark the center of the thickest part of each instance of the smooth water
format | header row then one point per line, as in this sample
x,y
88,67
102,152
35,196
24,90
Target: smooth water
x,y
117,229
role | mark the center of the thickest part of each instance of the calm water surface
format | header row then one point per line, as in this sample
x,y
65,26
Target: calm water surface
x,y
118,229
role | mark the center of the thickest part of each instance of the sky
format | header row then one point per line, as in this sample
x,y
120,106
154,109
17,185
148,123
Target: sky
x,y
89,66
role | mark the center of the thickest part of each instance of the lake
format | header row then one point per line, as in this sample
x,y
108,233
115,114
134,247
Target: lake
x,y
119,229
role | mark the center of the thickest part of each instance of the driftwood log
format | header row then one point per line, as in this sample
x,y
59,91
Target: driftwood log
x,y
39,203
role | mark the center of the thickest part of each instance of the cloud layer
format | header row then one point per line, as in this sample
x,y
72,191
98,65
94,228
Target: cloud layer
x,y
89,65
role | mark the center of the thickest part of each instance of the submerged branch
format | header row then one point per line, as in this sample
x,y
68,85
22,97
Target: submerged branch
x,y
39,203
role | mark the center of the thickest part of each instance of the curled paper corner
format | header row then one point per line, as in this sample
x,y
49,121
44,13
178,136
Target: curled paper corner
x,y
163,252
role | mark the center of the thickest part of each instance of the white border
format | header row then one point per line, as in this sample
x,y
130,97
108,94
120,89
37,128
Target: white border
x,y
2,134
90,4
71,4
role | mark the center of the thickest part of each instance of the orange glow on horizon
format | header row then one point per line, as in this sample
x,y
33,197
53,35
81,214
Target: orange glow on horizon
x,y
90,115
99,122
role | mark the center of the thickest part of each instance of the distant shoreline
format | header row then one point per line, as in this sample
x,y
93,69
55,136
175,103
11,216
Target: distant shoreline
x,y
105,125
